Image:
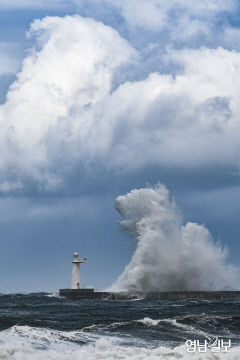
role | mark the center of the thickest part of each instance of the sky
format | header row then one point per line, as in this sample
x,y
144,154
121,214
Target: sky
x,y
98,98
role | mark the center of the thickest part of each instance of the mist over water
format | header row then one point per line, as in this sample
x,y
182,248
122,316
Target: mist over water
x,y
169,255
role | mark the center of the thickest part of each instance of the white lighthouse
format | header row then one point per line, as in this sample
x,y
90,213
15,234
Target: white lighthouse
x,y
76,261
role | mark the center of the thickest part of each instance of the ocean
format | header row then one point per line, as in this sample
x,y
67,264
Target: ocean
x,y
45,326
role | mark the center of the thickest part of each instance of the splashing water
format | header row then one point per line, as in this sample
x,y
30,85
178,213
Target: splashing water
x,y
169,255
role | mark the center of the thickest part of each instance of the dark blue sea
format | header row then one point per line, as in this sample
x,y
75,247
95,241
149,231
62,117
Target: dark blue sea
x,y
45,326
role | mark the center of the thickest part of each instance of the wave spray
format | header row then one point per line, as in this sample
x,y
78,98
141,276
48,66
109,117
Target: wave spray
x,y
169,255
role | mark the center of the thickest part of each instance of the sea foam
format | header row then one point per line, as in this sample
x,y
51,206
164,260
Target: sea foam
x,y
24,342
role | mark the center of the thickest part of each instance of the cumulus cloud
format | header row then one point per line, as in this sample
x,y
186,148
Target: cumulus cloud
x,y
188,120
66,109
169,255
68,72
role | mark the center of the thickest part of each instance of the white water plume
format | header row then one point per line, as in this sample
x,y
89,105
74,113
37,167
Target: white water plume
x,y
169,255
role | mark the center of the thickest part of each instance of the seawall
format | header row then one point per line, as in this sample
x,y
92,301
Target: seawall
x,y
78,294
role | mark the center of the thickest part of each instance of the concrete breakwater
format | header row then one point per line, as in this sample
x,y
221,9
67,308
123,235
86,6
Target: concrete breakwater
x,y
78,294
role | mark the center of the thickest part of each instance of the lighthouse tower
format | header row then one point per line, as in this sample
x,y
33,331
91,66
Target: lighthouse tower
x,y
76,261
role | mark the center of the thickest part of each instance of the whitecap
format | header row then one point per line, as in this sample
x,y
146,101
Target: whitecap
x,y
20,343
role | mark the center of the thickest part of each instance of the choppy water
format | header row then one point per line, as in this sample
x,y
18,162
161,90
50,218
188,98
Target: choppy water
x,y
44,326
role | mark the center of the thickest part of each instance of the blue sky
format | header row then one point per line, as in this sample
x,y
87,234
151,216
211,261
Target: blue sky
x,y
98,99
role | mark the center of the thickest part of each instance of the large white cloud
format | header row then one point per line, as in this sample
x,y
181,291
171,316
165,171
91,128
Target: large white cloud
x,y
191,119
63,110
69,71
